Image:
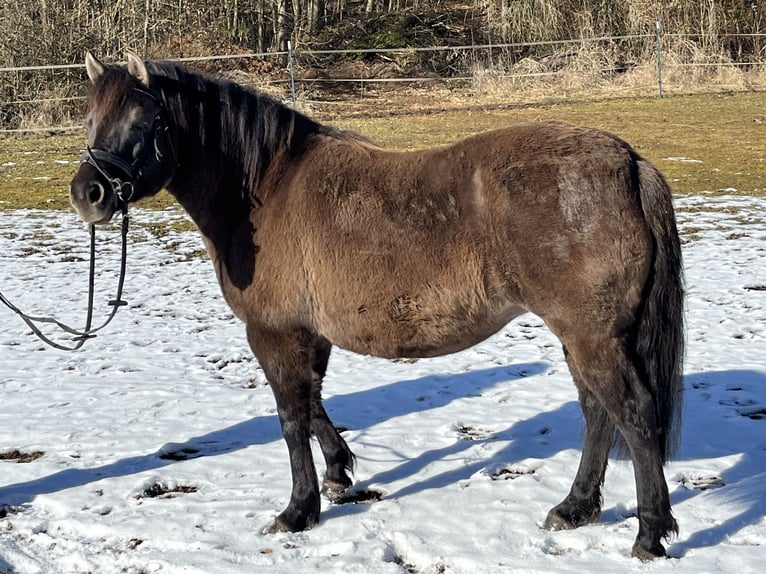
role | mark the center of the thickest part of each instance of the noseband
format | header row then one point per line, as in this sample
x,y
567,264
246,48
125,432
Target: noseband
x,y
123,186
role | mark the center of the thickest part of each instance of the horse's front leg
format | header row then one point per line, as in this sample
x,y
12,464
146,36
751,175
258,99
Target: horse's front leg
x,y
286,359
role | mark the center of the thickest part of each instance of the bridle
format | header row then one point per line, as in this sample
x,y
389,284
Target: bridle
x,y
124,190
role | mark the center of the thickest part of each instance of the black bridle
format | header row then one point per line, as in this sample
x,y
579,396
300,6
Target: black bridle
x,y
124,189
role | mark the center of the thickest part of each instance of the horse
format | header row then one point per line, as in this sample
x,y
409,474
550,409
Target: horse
x,y
321,238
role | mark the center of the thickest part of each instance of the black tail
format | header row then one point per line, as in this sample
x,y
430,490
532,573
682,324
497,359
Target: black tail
x,y
660,338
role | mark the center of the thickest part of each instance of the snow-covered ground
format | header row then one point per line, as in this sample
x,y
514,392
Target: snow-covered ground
x,y
162,450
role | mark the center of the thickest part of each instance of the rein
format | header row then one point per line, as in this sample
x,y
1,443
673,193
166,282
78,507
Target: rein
x,y
80,336
123,189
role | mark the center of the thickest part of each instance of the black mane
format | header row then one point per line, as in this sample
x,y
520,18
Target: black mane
x,y
244,129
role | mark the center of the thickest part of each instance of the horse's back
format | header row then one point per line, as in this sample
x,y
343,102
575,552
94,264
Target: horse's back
x,y
421,253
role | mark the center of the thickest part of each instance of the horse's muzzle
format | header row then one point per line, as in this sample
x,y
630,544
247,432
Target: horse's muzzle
x,y
92,198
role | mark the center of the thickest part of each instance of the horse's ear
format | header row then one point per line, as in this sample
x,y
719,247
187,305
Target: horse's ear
x,y
137,68
93,67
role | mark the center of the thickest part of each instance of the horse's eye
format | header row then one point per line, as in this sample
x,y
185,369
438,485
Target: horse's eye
x,y
139,128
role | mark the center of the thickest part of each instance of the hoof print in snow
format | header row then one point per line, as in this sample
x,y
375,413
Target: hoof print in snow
x,y
360,497
166,490
404,565
467,432
182,454
511,473
737,402
16,455
6,510
754,414
699,481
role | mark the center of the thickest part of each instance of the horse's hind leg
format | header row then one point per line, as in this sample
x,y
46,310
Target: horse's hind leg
x,y
338,457
583,503
609,374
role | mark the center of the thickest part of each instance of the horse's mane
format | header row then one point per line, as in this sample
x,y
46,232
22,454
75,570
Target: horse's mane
x,y
240,130
110,90
246,129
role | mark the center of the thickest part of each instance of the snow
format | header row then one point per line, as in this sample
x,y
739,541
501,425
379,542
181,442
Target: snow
x,y
468,452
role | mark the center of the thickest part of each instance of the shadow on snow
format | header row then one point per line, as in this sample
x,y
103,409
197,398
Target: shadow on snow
x,y
266,429
718,424
710,428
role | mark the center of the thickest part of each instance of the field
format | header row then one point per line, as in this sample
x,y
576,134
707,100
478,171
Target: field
x,y
157,449
701,142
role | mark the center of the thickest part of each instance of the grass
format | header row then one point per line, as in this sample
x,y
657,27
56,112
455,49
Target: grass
x,y
719,141
702,143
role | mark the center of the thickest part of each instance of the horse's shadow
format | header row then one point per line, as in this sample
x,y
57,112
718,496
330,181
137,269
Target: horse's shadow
x,y
706,435
718,423
539,437
429,392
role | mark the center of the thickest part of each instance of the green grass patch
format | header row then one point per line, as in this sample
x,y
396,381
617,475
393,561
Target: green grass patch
x,y
701,142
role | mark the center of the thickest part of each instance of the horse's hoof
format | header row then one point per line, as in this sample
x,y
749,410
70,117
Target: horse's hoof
x,y
647,545
275,528
556,520
334,491
284,524
647,554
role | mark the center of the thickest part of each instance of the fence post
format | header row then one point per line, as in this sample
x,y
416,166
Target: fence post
x,y
659,56
292,72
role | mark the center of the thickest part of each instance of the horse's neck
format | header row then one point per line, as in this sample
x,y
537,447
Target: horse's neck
x,y
211,183
225,152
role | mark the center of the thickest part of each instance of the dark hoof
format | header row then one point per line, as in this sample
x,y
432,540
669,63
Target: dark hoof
x,y
284,523
334,491
651,531
558,519
647,554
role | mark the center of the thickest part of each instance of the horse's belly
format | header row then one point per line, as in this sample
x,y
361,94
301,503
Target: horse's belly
x,y
382,336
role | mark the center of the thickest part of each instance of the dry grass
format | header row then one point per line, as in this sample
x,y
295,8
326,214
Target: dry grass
x,y
594,70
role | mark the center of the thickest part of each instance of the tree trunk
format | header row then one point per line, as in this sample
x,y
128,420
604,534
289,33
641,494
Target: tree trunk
x,y
282,28
316,15
260,26
147,10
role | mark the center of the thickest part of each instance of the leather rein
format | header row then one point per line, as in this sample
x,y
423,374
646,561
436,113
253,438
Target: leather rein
x,y
123,189
88,332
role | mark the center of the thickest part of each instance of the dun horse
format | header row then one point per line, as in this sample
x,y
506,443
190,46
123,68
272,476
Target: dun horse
x,y
321,238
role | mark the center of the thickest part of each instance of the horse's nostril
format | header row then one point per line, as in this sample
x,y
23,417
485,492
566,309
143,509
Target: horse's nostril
x,y
95,193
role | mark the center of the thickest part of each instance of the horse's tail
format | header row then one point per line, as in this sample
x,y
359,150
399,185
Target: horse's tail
x,y
660,334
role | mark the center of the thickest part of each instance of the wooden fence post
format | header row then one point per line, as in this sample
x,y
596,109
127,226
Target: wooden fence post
x,y
659,56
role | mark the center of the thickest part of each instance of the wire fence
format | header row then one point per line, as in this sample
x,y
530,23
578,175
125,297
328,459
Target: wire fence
x,y
571,69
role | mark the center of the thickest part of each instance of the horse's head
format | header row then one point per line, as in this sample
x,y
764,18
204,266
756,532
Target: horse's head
x,y
130,153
